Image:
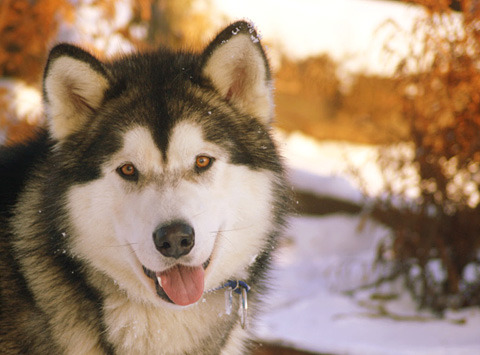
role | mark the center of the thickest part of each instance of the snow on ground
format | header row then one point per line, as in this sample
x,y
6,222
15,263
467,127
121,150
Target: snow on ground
x,y
352,32
309,173
324,256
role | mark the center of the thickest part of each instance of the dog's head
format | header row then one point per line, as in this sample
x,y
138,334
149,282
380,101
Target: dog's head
x,y
171,168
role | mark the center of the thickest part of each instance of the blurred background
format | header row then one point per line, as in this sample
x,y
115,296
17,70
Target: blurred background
x,y
377,114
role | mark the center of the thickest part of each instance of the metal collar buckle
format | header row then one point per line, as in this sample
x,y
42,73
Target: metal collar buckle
x,y
241,288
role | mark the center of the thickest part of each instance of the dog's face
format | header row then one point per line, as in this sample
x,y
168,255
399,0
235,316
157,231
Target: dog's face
x,y
173,164
155,216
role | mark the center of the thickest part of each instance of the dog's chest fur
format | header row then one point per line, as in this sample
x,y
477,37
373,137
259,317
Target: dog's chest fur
x,y
139,328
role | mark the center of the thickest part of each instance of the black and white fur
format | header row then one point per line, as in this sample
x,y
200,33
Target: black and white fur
x,y
79,203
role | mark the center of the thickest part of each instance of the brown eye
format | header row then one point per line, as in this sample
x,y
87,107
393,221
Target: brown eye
x,y
203,162
127,171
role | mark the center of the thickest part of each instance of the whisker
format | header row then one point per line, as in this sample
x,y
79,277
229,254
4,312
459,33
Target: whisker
x,y
199,213
121,245
227,239
231,230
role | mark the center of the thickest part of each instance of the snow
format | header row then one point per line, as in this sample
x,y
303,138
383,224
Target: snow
x,y
339,159
24,101
323,257
352,32
93,25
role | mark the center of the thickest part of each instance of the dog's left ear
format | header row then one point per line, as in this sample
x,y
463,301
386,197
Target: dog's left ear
x,y
74,85
238,69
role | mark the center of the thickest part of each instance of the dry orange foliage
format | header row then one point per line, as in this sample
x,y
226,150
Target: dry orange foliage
x,y
178,24
310,97
442,106
314,77
26,29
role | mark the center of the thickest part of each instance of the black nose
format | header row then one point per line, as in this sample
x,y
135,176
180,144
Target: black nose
x,y
174,239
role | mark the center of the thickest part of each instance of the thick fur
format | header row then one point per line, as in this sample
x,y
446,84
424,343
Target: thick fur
x,y
76,231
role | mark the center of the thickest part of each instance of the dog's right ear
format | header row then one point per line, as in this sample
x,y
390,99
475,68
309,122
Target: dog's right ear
x,y
238,69
74,85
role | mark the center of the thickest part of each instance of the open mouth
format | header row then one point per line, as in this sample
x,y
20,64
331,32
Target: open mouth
x,y
180,284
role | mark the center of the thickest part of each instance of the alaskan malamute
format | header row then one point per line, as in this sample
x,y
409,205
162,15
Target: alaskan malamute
x,y
147,208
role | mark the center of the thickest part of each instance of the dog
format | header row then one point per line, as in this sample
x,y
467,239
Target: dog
x,y
148,205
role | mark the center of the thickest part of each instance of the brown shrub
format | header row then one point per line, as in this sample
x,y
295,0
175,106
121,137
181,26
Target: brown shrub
x,y
436,237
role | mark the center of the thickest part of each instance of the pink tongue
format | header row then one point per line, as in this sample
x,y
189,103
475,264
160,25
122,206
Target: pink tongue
x,y
183,284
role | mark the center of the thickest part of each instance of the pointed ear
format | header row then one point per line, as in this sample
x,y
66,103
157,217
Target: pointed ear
x,y
74,85
237,66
